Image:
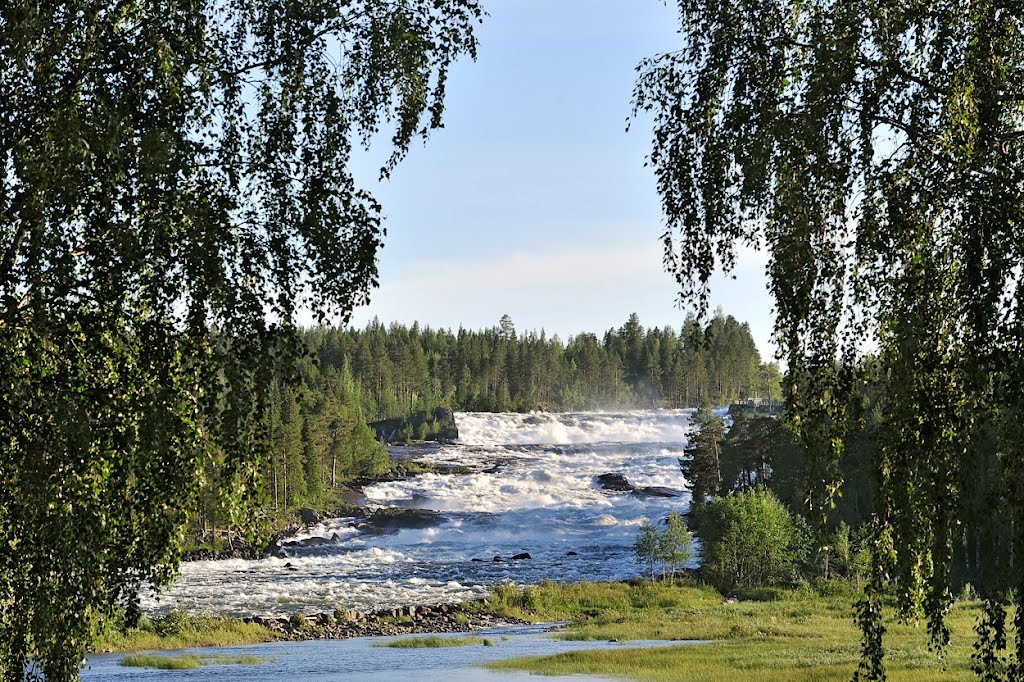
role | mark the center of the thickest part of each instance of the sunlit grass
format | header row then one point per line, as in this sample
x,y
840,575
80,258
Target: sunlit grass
x,y
181,631
187,661
162,662
432,642
801,635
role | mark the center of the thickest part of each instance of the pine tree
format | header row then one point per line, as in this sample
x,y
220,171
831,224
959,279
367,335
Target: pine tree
x,y
702,466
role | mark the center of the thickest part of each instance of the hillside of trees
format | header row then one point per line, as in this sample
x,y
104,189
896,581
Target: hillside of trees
x,y
402,369
318,420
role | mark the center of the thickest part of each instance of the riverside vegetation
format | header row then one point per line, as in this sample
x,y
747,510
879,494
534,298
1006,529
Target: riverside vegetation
x,y
801,634
762,588
317,422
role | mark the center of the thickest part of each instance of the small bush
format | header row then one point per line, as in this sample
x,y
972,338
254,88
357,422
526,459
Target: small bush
x,y
162,662
759,593
670,547
299,623
749,540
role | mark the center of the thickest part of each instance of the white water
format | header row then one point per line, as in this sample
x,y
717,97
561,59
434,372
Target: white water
x,y
532,489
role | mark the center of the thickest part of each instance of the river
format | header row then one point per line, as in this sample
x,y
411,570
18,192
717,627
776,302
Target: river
x,y
362,659
532,489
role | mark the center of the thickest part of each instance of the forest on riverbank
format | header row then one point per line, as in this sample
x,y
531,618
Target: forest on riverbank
x,y
403,369
348,377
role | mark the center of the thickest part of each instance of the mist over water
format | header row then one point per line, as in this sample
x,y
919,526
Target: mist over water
x,y
532,489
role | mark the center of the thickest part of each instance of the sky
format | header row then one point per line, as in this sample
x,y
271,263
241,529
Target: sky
x,y
534,201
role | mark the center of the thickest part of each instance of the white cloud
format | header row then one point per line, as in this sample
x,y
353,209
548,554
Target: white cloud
x,y
520,270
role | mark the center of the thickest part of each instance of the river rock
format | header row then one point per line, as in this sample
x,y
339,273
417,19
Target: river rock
x,y
656,491
391,520
570,553
314,541
521,556
309,517
616,482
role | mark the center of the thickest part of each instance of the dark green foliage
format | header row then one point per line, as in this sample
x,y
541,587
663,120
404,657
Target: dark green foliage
x,y
436,425
875,148
702,466
333,445
748,540
175,186
403,370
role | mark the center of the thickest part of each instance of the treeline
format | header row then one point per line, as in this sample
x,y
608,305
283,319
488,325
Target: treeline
x,y
402,370
749,486
320,440
349,377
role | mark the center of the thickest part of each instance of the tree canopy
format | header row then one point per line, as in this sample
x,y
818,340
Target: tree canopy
x,y
403,369
176,185
873,147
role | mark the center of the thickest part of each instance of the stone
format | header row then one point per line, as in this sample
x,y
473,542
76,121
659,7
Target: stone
x,y
392,519
309,516
656,491
521,556
616,482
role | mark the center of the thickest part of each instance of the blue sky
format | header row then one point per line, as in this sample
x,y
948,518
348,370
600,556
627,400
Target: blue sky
x,y
533,200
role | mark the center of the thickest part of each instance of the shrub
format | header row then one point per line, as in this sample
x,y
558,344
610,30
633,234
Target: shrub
x,y
748,540
670,547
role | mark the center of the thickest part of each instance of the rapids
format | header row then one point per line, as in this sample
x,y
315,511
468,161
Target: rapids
x,y
532,489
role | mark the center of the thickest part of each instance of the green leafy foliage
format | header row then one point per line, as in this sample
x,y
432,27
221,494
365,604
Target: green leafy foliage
x,y
175,186
874,148
748,540
403,370
671,546
702,466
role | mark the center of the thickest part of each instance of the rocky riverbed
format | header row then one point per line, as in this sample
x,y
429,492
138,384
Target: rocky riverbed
x,y
537,497
439,618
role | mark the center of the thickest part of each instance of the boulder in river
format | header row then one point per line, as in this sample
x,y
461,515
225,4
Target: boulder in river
x,y
620,483
309,517
521,556
615,482
392,519
656,491
311,542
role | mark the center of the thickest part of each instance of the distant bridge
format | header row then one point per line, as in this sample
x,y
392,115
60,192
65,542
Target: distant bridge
x,y
758,406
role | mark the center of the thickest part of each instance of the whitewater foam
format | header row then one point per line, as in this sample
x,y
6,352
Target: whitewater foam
x,y
524,495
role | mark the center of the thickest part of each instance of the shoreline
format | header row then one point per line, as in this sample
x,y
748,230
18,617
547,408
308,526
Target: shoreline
x,y
351,498
450,617
206,630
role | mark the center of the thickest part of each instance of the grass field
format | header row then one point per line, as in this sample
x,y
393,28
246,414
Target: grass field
x,y
804,635
432,642
187,661
178,630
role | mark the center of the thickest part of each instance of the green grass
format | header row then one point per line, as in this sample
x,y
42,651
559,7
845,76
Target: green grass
x,y
162,662
432,642
187,661
800,635
178,630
